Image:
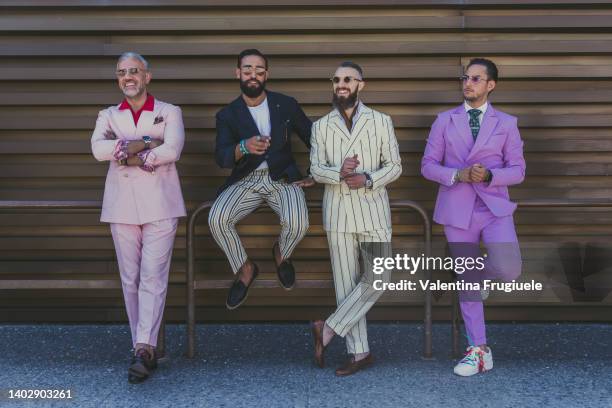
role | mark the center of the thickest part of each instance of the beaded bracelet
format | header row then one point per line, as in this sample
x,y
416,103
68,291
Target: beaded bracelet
x,y
243,148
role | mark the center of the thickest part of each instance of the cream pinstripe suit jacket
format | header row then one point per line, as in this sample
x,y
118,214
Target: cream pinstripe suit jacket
x,y
373,140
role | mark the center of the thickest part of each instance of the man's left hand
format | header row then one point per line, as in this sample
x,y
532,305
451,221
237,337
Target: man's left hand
x,y
355,180
305,182
479,173
134,161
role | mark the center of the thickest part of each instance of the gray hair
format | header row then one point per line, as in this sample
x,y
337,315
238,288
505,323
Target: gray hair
x,y
134,55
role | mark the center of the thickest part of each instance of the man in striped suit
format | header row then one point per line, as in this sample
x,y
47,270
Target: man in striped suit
x,y
253,139
354,152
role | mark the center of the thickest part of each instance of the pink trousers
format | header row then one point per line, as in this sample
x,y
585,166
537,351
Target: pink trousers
x,y
144,253
503,261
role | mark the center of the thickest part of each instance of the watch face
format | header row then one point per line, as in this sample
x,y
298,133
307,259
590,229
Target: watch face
x,y
146,139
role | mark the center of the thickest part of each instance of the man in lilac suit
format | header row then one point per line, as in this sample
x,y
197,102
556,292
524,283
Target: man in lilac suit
x,y
475,152
142,138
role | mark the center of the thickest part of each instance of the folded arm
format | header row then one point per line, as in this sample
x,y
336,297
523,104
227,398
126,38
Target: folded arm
x,y
174,139
104,141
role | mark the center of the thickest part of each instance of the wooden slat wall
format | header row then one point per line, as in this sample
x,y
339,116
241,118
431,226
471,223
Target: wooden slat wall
x,y
56,72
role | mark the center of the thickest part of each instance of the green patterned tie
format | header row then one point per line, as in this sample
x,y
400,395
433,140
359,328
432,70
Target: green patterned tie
x,y
474,122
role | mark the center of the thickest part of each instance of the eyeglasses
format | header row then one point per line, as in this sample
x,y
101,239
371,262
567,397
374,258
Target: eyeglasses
x,y
132,71
346,79
475,79
249,69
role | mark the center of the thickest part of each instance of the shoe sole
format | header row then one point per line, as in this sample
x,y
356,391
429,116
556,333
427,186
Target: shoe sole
x,y
138,370
368,365
470,375
133,379
287,288
238,305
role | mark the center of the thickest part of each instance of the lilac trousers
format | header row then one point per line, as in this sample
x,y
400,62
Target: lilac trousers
x,y
503,261
144,253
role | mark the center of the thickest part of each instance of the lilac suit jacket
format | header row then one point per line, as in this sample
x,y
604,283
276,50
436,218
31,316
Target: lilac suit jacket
x,y
451,147
132,195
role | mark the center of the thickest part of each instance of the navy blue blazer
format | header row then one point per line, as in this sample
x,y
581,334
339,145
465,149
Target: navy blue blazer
x,y
234,123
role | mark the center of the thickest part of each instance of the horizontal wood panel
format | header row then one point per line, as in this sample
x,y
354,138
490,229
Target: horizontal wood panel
x,y
173,4
56,72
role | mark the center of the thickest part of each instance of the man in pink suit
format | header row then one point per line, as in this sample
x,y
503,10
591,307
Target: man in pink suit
x,y
475,152
142,137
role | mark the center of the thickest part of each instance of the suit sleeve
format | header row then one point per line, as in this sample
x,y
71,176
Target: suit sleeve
x,y
431,164
320,169
103,145
225,144
174,140
302,125
513,171
391,162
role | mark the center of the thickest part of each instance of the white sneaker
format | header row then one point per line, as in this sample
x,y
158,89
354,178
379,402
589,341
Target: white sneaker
x,y
475,361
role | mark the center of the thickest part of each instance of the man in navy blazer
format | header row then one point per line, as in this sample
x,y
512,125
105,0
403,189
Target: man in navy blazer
x,y
254,140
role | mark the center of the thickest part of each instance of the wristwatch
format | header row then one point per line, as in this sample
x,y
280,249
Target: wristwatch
x,y
368,183
455,177
147,141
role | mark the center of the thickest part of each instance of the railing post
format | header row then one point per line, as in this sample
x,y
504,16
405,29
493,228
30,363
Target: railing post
x,y
161,340
190,284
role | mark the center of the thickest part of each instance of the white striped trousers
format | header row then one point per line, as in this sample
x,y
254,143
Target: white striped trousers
x,y
355,294
245,196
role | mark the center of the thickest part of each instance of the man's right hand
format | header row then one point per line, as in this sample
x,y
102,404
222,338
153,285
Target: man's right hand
x,y
464,175
258,144
349,166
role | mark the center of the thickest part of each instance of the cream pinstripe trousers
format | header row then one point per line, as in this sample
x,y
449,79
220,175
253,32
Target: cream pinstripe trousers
x,y
245,196
355,294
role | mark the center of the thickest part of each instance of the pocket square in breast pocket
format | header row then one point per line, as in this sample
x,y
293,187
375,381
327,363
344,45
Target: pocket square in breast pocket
x,y
158,119
110,135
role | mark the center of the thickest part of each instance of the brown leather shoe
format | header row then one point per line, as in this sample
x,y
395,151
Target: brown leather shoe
x,y
352,366
317,336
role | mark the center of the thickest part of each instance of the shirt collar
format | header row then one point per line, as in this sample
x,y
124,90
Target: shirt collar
x,y
482,108
354,116
148,105
261,105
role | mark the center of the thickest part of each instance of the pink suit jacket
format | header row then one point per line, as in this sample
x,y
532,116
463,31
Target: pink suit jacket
x,y
451,147
132,195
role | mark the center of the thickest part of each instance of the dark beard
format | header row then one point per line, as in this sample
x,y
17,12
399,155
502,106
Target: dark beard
x,y
342,103
252,92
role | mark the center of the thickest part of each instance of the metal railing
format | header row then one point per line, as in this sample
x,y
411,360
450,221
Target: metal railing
x,y
190,286
190,247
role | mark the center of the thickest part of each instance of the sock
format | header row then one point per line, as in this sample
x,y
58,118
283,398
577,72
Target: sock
x,y
328,334
361,356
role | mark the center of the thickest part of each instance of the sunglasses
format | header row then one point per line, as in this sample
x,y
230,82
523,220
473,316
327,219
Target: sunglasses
x,y
132,71
346,79
249,69
476,79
